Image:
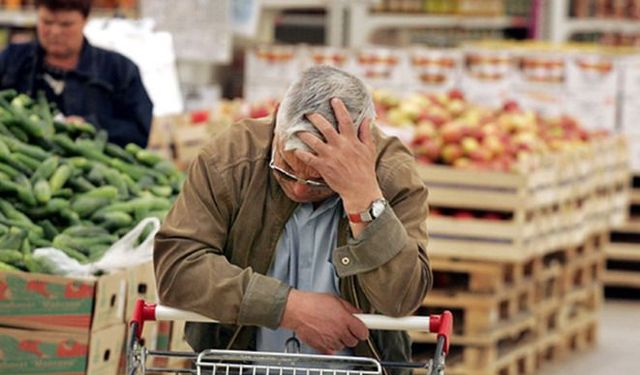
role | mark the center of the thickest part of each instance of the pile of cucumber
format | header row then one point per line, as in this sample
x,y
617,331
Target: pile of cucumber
x,y
63,185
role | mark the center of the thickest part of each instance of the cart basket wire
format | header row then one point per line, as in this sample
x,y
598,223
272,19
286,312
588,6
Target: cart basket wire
x,y
234,362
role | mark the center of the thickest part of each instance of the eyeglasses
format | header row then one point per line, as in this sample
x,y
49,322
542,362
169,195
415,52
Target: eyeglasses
x,y
293,177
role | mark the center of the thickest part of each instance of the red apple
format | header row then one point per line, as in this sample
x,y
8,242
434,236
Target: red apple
x,y
456,94
451,133
511,106
492,216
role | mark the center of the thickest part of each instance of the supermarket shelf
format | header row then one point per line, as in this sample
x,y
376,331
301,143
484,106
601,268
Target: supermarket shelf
x,y
397,20
590,25
18,18
294,4
363,22
27,17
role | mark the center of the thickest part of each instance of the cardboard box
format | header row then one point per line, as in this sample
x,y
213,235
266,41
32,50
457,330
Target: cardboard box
x,y
58,303
161,135
141,284
48,352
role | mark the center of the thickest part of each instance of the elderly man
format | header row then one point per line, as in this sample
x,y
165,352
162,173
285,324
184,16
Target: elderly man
x,y
286,228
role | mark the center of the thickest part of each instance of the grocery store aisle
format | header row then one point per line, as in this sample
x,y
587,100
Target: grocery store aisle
x,y
617,350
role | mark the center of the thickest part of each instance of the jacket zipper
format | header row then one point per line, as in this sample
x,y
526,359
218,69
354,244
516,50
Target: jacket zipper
x,y
369,343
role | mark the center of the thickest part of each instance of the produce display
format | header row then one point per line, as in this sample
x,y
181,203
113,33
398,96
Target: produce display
x,y
63,185
448,130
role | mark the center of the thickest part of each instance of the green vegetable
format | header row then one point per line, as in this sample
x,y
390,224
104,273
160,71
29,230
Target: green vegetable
x,y
60,177
42,191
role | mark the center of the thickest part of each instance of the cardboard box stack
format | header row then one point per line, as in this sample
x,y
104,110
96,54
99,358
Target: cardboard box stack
x,y
61,325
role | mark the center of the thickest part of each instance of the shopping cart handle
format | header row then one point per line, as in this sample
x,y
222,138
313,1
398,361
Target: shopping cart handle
x,y
440,324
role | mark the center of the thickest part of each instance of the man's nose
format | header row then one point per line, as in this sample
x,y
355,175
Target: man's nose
x,y
301,189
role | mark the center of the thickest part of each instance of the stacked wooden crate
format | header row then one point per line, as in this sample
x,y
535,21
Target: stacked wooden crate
x,y
623,252
522,269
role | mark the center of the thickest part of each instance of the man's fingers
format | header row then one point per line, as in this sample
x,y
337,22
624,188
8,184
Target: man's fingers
x,y
349,307
365,132
358,329
345,123
313,142
324,126
306,157
349,340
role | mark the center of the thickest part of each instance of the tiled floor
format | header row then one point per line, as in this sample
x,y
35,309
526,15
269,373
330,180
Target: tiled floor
x,y
618,349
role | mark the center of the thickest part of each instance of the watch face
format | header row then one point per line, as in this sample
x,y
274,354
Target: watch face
x,y
377,208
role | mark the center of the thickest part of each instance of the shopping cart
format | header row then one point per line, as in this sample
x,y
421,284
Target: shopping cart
x,y
233,362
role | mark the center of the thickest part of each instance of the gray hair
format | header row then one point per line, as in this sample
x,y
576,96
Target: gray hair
x,y
312,92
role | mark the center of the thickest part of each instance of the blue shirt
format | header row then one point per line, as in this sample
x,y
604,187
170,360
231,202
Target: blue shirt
x,y
303,260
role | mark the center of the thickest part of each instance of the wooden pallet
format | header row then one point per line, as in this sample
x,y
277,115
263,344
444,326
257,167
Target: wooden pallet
x,y
579,335
563,200
510,349
477,314
453,274
623,265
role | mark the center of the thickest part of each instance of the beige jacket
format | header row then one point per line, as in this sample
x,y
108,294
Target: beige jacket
x,y
217,242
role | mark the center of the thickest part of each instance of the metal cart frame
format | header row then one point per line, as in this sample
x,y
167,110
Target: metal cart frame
x,y
233,362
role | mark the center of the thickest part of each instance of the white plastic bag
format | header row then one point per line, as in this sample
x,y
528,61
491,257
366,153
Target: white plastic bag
x,y
122,254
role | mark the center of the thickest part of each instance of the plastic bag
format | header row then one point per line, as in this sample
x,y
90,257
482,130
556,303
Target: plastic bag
x,y
122,254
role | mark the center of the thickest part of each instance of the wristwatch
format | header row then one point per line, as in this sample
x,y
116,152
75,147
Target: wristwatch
x,y
374,211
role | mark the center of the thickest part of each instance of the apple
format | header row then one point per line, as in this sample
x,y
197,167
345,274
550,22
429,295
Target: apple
x,y
451,152
480,156
469,145
451,133
456,94
511,106
493,145
432,149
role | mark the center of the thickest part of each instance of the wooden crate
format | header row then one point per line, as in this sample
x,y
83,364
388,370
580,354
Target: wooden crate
x,y
478,314
509,349
623,265
461,275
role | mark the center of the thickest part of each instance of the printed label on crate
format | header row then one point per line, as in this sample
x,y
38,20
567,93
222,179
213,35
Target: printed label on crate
x,y
594,110
546,99
38,352
433,70
60,303
380,67
592,73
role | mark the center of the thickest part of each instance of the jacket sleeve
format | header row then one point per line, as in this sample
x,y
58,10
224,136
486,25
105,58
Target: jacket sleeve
x,y
389,259
192,272
132,112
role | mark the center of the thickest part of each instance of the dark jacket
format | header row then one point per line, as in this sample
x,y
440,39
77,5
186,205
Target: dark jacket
x,y
217,243
105,89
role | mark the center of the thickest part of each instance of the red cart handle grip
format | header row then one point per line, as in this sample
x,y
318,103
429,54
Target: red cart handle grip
x,y
443,326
